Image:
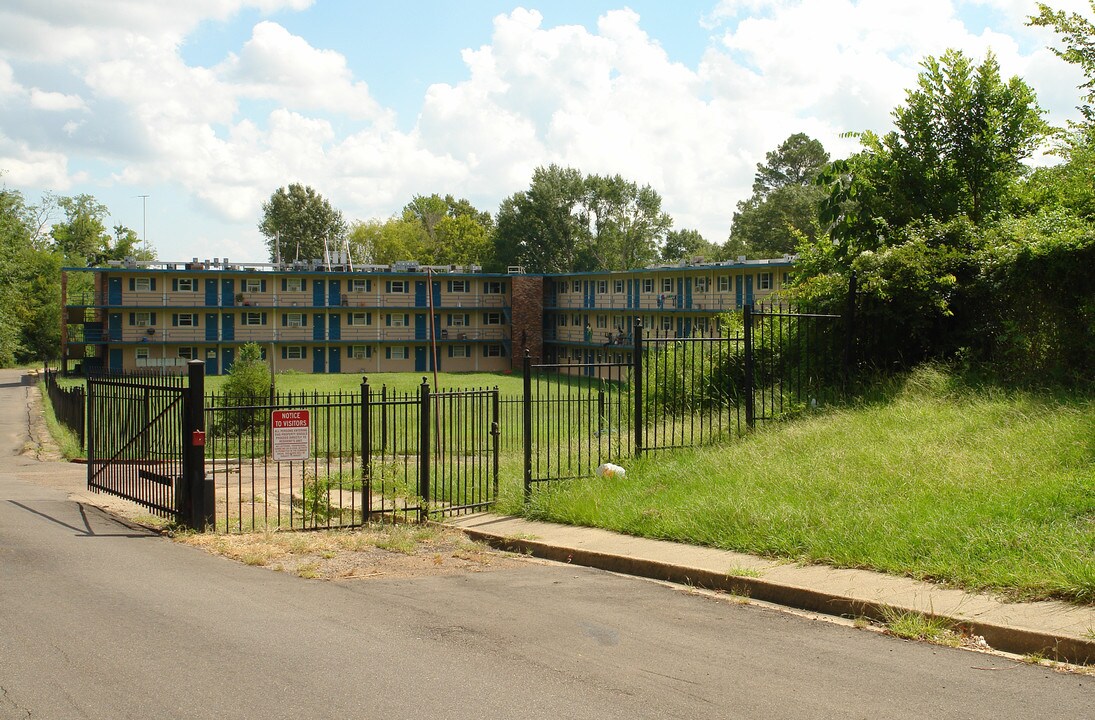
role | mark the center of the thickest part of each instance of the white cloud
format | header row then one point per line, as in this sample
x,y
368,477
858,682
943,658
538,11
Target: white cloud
x,y
55,101
276,65
23,166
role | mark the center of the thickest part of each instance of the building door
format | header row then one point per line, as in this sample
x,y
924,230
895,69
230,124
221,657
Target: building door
x,y
420,327
420,358
211,292
688,292
420,293
114,291
437,293
738,285
334,360
319,327
114,330
333,296
211,362
211,328
228,356
317,293
115,360
748,289
228,328
334,331
319,361
228,293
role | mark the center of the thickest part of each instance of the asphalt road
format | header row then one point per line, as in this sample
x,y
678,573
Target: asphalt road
x,y
98,620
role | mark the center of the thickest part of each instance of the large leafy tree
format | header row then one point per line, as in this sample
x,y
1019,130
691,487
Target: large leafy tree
x,y
545,228
567,222
683,244
30,271
303,223
453,231
783,206
957,151
628,223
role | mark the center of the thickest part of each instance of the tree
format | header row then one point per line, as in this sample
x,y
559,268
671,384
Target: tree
x,y
302,223
454,232
628,223
566,222
783,205
545,228
383,242
82,235
1079,36
682,244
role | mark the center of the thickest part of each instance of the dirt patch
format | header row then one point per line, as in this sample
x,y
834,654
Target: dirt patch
x,y
374,551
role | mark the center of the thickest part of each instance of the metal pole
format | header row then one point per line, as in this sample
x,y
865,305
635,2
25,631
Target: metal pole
x,y
637,382
526,420
201,501
366,453
424,451
495,431
750,401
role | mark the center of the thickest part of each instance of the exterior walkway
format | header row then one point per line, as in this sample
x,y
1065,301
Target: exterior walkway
x,y
1054,630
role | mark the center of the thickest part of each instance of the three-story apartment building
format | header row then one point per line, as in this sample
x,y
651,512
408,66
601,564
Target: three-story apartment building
x,y
314,318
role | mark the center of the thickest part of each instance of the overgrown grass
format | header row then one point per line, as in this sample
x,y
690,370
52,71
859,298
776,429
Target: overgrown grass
x,y
67,441
976,486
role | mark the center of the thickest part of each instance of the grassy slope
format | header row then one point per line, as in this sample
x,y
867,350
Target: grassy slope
x,y
980,488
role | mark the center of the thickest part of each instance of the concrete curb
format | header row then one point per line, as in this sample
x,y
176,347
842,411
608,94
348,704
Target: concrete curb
x,y
1008,638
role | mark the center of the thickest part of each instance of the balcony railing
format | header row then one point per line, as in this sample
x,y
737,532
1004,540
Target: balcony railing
x,y
268,334
283,300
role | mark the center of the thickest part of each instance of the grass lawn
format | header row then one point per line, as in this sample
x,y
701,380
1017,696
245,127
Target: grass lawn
x,y
981,488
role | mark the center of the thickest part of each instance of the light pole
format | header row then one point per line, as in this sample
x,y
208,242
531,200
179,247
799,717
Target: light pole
x,y
144,220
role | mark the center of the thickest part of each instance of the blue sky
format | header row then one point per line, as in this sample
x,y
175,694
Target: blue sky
x,y
209,106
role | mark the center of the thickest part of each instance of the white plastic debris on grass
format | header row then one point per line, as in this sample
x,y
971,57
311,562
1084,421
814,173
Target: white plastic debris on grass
x,y
608,470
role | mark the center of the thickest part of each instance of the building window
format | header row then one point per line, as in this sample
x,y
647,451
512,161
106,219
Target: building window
x,y
602,322
294,285
458,286
562,320
700,284
492,318
142,284
361,352
397,353
493,287
399,286
577,286
294,320
648,285
577,320
459,320
764,281
360,318
187,353
602,286
667,322
142,353
251,318
252,286
459,351
397,320
187,320
294,352
185,284
619,286
142,319
576,354
701,324
667,285
492,351
360,285
724,283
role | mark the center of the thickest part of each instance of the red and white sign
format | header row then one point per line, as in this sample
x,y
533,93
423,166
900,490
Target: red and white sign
x,y
291,433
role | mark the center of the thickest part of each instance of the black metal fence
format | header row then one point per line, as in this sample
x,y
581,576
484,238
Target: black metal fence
x,y
69,405
678,390
370,455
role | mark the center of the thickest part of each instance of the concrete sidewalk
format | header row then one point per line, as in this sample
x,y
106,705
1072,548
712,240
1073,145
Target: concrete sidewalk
x,y
1055,630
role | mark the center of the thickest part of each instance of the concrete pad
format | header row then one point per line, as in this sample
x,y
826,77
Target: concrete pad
x,y
1054,629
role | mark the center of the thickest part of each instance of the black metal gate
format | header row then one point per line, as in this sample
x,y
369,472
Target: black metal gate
x,y
143,442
